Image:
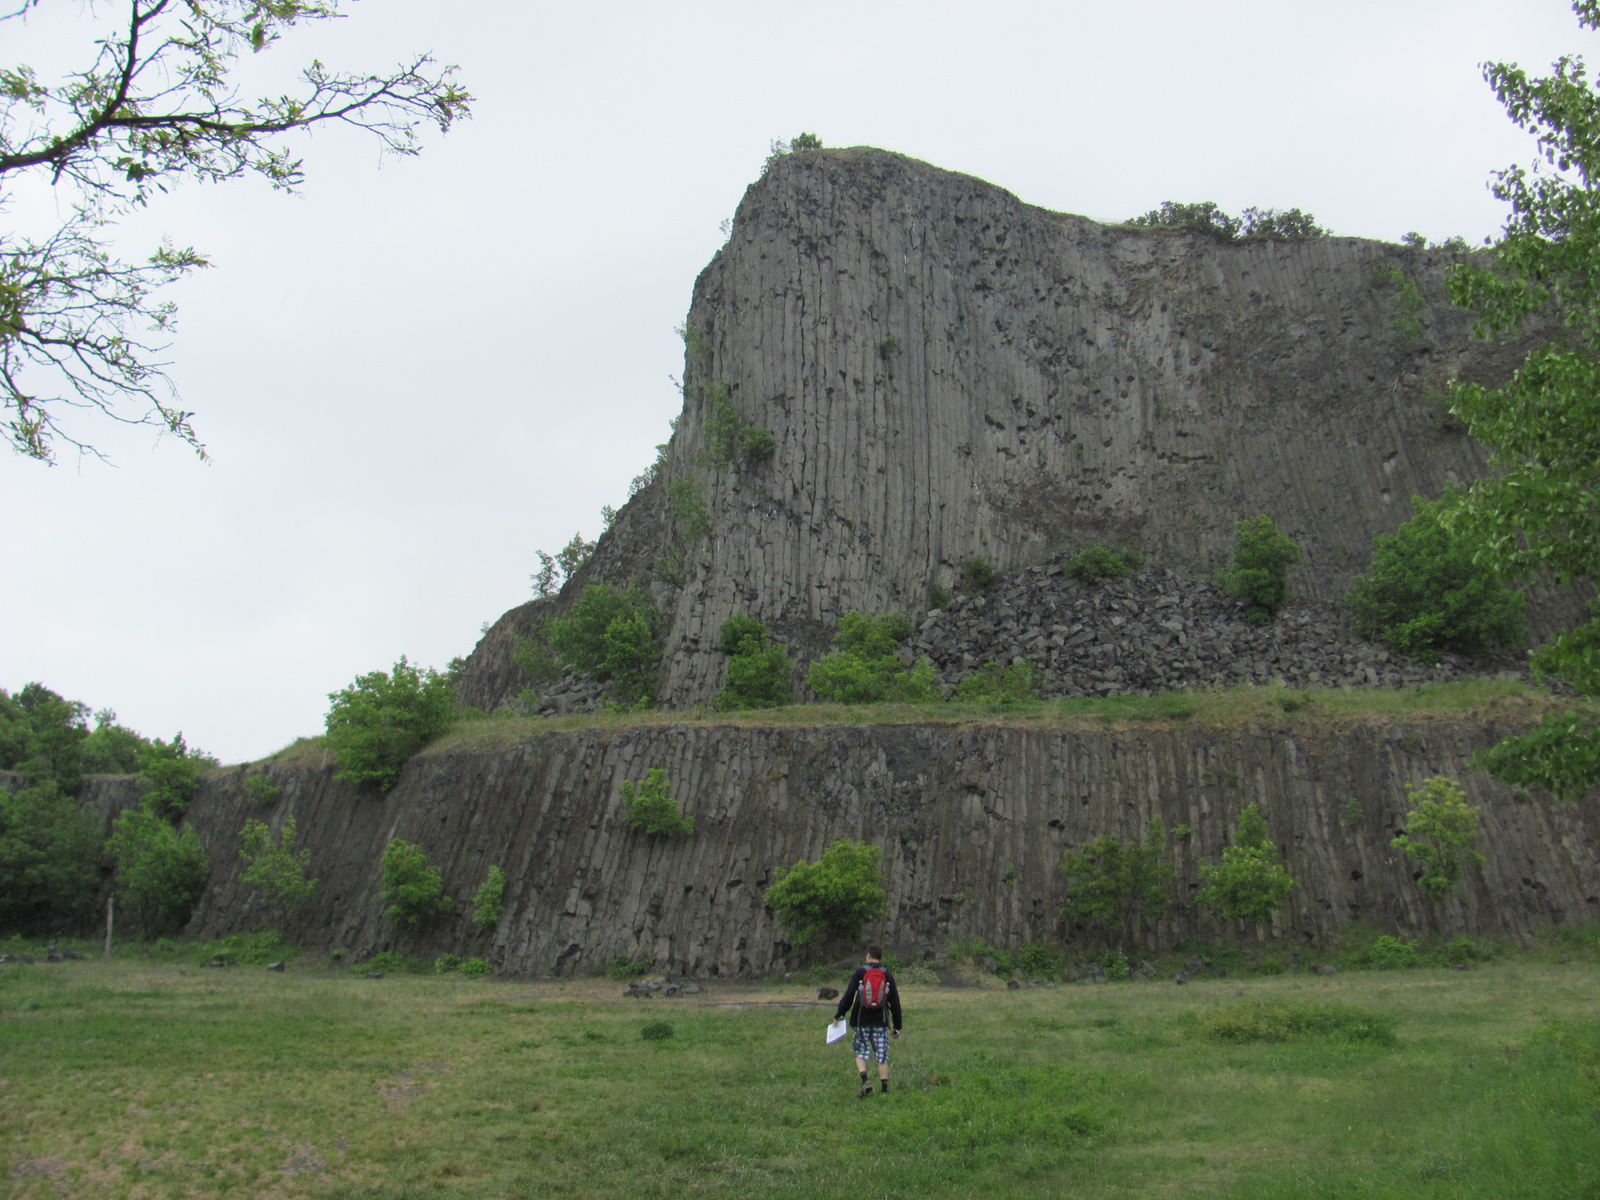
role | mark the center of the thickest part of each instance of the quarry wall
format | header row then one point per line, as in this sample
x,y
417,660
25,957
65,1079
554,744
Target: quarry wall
x,y
972,821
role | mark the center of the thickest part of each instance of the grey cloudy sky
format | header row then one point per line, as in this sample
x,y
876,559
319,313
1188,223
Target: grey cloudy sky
x,y
416,373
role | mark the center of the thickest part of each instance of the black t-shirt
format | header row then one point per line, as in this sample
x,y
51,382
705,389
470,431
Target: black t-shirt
x,y
870,1018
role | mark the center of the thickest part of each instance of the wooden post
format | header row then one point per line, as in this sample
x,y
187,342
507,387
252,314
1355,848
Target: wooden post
x,y
110,901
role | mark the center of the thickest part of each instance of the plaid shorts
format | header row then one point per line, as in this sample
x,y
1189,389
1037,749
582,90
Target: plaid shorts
x,y
870,1041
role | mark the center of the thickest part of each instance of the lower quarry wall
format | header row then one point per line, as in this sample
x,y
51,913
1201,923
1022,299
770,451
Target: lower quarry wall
x,y
972,819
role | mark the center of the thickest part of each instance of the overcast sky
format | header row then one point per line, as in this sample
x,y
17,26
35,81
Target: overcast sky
x,y
417,373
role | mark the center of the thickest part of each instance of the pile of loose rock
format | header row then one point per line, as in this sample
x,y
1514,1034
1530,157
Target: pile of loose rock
x,y
571,694
648,989
1153,632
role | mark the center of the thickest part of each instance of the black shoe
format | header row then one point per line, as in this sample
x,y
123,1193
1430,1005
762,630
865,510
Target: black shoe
x,y
866,1090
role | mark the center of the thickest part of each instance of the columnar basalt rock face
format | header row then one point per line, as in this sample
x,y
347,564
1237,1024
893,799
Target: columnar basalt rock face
x,y
972,822
948,371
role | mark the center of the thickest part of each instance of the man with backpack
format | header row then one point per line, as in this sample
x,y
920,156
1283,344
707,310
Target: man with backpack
x,y
873,1002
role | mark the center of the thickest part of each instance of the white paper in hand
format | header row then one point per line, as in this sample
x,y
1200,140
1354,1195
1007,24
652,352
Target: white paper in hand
x,y
837,1030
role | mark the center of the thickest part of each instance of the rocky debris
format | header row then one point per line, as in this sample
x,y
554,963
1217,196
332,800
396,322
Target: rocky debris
x,y
1143,970
1012,985
1155,631
277,966
827,993
692,989
219,962
571,695
1180,978
1325,969
373,975
1193,966
1086,973
646,989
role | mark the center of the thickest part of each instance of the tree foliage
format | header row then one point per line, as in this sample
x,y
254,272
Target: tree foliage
x,y
1538,511
49,856
1425,591
169,776
612,635
759,671
412,886
1262,557
273,868
377,723
155,104
1112,884
867,669
1253,223
487,901
161,873
648,808
1249,884
835,896
1439,834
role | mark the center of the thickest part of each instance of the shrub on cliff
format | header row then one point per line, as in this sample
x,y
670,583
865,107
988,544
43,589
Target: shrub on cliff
x,y
274,869
1000,684
866,669
758,669
1208,217
1111,884
412,886
728,438
837,895
487,902
161,873
1439,835
1095,563
612,635
169,776
49,855
1424,592
382,719
648,808
1249,884
1262,557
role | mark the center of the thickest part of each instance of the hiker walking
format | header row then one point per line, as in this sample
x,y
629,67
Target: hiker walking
x,y
873,1002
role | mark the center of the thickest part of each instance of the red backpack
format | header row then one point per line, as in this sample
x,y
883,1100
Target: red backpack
x,y
874,986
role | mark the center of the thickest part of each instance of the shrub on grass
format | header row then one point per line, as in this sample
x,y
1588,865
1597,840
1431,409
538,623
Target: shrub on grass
x,y
1439,834
1095,563
1424,593
274,869
999,684
648,808
447,963
487,902
412,886
1462,949
1288,1020
377,723
49,855
866,669
1112,884
1261,560
392,962
454,964
475,968
161,873
836,895
1390,954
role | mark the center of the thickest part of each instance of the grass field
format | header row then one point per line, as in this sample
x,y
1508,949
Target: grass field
x,y
139,1079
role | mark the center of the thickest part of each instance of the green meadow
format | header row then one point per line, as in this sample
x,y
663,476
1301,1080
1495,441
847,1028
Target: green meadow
x,y
143,1078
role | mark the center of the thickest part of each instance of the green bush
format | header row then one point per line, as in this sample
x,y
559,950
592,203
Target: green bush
x,y
835,896
49,856
1249,884
169,777
727,436
623,968
377,724
1001,684
1439,834
1111,884
1261,560
1463,949
866,669
533,654
392,962
656,1031
111,749
475,968
446,964
486,904
161,873
612,635
1423,593
260,791
687,506
1101,562
454,964
938,596
412,887
977,572
1291,1020
648,808
1208,218
1390,954
274,869
759,671
1116,966
1035,961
